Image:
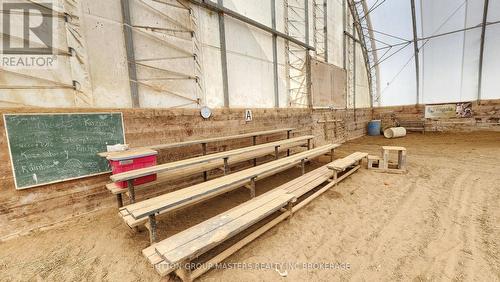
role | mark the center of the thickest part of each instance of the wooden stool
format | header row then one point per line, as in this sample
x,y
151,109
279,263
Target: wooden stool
x,y
401,165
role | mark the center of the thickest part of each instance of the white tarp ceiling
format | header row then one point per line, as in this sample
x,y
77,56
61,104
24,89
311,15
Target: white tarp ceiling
x,y
449,64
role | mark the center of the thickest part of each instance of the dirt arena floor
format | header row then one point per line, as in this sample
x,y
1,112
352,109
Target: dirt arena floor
x,y
439,222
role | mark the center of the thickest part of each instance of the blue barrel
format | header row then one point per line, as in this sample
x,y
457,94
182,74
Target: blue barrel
x,y
374,127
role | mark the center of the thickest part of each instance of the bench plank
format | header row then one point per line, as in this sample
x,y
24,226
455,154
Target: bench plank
x,y
342,164
208,140
202,159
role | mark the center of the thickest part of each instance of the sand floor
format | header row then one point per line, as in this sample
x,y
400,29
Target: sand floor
x,y
439,222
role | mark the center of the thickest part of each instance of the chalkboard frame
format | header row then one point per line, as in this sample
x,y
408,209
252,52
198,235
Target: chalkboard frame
x,y
64,113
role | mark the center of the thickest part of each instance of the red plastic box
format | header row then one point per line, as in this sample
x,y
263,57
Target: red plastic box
x,y
127,161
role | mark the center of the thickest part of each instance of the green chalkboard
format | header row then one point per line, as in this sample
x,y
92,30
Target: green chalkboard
x,y
48,148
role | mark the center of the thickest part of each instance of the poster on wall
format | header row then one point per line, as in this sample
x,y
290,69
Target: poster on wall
x,y
457,110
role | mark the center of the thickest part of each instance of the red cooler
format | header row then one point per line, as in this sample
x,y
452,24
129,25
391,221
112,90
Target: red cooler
x,y
131,160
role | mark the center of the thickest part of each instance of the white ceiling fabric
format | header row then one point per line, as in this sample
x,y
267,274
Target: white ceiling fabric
x,y
449,64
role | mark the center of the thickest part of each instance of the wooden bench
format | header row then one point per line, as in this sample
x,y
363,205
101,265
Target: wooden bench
x,y
204,142
137,213
202,164
340,165
412,125
174,253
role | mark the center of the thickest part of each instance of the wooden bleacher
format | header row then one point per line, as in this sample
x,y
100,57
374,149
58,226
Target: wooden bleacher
x,y
204,142
138,213
201,164
175,252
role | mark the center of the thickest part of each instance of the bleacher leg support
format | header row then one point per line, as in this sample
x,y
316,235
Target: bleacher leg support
x,y
276,152
252,188
288,137
131,190
152,228
254,142
119,200
303,166
331,155
204,147
289,208
308,144
226,166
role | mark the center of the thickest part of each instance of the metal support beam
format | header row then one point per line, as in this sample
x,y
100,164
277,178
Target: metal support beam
x,y
219,9
306,19
325,20
354,69
275,55
481,50
344,18
223,53
415,48
129,47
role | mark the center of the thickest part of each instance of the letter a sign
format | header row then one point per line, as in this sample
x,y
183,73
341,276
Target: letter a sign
x,y
248,115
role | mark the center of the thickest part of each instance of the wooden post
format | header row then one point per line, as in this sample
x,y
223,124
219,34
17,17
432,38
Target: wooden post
x,y
288,133
303,166
131,190
276,152
252,188
402,160
205,173
308,144
152,229
385,159
254,142
226,166
119,200
331,154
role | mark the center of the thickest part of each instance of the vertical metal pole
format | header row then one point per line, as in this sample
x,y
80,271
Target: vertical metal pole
x,y
223,54
481,50
275,55
308,57
306,21
325,20
276,152
129,47
415,48
344,36
354,68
